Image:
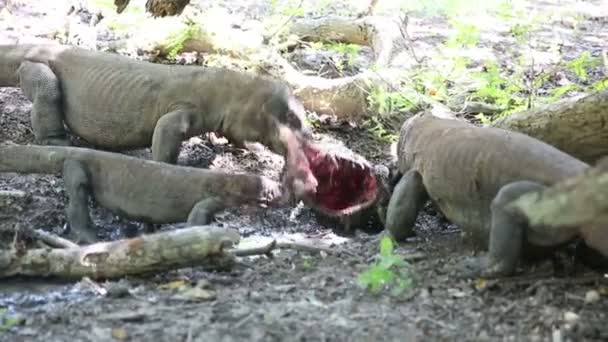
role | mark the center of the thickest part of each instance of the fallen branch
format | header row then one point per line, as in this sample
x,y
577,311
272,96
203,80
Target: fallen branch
x,y
48,238
274,244
192,246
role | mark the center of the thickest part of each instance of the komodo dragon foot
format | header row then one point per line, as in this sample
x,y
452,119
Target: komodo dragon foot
x,y
480,267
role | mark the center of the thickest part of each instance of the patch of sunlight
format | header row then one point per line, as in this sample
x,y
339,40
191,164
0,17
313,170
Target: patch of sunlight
x,y
218,23
445,7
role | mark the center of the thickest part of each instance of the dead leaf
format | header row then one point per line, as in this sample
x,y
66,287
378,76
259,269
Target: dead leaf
x,y
196,294
481,284
120,334
173,285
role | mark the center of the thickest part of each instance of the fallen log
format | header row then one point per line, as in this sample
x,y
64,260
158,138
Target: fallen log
x,y
580,201
187,247
577,126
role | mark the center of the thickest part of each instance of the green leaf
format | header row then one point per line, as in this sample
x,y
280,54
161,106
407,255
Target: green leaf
x,y
386,246
376,277
600,85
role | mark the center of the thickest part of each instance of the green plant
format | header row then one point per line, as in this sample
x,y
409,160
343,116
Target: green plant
x,y
559,92
580,65
485,120
176,41
7,320
497,89
600,85
376,129
387,103
307,264
287,8
521,32
466,35
390,269
350,51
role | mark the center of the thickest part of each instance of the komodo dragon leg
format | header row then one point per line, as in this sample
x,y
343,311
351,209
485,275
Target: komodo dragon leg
x,y
203,212
77,186
507,234
171,129
41,86
408,198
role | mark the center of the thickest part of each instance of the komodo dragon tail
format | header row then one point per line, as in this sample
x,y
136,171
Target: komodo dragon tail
x,y
11,57
34,159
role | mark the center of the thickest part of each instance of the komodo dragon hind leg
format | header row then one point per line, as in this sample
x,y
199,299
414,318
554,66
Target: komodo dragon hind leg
x,y
204,211
41,86
77,187
507,235
171,129
408,198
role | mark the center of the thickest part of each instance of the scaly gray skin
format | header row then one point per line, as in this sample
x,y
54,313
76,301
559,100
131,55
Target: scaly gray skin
x,y
139,189
471,173
117,103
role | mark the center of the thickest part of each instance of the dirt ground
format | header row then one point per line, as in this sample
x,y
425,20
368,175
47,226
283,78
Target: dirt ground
x,y
294,296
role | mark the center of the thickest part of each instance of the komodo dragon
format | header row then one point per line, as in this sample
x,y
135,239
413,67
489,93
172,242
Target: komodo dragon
x,y
136,188
471,173
118,103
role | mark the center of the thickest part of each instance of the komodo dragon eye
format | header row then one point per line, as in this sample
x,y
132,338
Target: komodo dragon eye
x,y
346,182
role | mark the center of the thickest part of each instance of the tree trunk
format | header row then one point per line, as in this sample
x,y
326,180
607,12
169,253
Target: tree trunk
x,y
158,8
192,246
577,126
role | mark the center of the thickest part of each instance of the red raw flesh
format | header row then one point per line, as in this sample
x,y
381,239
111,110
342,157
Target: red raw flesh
x,y
341,186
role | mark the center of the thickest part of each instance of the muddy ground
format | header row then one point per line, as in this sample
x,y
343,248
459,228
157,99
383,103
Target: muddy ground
x,y
294,296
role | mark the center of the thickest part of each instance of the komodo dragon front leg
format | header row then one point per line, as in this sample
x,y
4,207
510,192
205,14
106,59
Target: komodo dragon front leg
x,y
408,198
508,235
173,128
508,232
41,86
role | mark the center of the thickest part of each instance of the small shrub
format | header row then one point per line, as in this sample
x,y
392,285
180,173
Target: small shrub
x,y
580,65
390,269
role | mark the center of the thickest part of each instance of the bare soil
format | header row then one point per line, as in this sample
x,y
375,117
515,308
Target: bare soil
x,y
294,296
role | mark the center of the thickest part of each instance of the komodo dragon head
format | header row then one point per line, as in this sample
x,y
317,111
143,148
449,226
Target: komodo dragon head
x,y
337,183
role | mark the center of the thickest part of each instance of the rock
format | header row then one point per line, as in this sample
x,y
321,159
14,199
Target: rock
x,y
571,318
592,296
